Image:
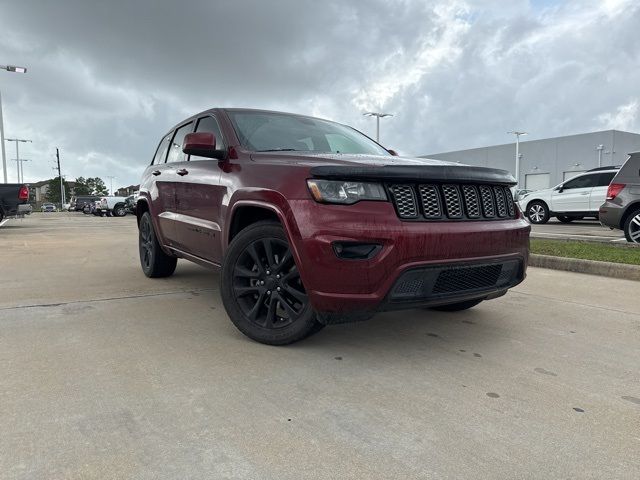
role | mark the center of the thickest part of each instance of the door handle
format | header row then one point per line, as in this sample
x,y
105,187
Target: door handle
x,y
584,193
156,172
182,172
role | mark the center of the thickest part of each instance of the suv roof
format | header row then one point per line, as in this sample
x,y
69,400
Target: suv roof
x,y
599,169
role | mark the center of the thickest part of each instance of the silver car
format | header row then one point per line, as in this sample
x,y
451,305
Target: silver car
x,y
621,209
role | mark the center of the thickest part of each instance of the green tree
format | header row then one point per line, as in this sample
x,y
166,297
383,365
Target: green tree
x,y
81,187
97,186
53,190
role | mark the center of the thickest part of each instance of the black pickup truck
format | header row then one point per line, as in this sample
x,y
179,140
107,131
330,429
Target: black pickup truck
x,y
12,195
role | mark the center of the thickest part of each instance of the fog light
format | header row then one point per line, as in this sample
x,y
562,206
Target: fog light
x,y
356,250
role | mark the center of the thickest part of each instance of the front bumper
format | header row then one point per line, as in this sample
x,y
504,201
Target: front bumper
x,y
360,287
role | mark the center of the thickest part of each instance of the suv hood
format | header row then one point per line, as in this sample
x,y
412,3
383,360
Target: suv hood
x,y
387,168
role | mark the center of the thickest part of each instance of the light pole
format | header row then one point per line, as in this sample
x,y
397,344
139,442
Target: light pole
x,y
599,148
8,68
18,140
378,116
517,134
21,168
110,177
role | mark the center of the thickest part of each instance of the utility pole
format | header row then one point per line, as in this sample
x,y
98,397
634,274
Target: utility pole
x,y
378,116
62,199
517,134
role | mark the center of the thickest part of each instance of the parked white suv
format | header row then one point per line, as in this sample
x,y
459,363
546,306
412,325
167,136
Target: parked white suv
x,y
574,199
112,206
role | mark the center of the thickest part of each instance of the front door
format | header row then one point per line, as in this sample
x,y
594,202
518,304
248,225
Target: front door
x,y
199,198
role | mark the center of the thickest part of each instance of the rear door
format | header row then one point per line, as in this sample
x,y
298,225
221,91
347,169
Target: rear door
x,y
163,195
199,198
574,195
599,192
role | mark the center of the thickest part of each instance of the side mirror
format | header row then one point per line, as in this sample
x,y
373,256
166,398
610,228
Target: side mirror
x,y
392,152
202,144
560,189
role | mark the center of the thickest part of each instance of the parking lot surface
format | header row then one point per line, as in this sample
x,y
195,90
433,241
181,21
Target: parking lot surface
x,y
577,230
107,374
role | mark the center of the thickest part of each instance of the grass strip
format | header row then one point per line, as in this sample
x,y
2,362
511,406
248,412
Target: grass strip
x,y
586,251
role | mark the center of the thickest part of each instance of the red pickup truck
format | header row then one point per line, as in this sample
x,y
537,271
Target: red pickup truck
x,y
12,195
314,223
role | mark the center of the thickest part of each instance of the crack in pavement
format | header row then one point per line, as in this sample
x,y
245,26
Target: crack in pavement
x,y
125,297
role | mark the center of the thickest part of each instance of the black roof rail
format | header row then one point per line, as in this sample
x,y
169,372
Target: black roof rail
x,y
610,167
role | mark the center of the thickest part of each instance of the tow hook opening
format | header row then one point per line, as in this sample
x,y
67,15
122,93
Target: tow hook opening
x,y
356,250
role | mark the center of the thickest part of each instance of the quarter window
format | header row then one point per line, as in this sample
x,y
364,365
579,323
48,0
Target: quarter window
x,y
161,151
175,150
604,179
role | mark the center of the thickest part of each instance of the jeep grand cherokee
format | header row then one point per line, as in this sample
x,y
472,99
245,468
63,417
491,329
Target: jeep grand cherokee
x,y
314,223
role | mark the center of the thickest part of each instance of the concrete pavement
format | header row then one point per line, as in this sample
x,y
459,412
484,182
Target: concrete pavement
x,y
107,374
589,230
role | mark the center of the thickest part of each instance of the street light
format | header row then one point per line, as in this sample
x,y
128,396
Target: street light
x,y
8,68
378,116
18,140
21,170
517,134
111,177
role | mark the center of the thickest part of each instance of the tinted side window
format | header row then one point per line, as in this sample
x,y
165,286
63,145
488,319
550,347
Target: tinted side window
x,y
161,151
604,179
585,181
175,149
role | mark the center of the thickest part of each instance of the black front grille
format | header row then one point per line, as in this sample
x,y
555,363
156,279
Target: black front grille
x,y
445,281
452,202
467,278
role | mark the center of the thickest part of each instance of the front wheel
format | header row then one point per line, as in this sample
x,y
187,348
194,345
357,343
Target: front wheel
x,y
155,263
632,227
261,287
538,212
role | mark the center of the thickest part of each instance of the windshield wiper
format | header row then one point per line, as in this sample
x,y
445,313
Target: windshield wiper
x,y
280,150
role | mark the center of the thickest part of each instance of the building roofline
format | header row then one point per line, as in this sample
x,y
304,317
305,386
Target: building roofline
x,y
528,141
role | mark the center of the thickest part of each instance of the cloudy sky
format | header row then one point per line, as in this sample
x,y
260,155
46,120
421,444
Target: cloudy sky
x,y
107,78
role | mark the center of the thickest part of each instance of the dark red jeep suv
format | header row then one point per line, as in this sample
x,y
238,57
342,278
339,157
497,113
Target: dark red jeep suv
x,y
314,223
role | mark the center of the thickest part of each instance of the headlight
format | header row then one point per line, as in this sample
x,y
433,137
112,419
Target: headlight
x,y
338,191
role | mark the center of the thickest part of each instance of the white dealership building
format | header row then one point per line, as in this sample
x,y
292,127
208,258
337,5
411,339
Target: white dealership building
x,y
547,162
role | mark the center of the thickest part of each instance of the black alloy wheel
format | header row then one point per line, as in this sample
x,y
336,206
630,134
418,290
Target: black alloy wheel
x,y
262,290
154,262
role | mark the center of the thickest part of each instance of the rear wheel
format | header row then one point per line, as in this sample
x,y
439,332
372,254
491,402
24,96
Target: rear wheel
x,y
155,263
565,218
457,307
538,212
119,210
632,227
262,290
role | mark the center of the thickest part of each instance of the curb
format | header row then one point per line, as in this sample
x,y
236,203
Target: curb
x,y
591,267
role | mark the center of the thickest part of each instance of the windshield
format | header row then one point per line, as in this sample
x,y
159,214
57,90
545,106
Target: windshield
x,y
278,132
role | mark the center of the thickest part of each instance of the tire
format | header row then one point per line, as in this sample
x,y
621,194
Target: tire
x,y
565,218
119,210
632,227
261,288
457,307
154,262
1,215
538,212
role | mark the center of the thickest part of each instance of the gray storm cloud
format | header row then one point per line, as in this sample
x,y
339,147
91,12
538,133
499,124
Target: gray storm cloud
x,y
106,79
